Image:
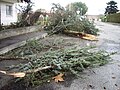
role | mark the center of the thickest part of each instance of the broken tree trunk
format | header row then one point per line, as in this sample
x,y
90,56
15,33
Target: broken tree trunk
x,y
81,35
34,17
22,74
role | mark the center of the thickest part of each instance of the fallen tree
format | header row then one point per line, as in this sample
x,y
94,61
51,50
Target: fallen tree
x,y
62,20
51,63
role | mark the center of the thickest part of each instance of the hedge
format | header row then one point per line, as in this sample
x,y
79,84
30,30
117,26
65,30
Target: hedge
x,y
113,18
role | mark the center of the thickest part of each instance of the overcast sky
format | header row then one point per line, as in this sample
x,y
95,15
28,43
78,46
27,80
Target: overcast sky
x,y
95,7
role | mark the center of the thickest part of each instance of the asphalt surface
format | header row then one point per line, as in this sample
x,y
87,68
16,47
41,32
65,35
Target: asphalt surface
x,y
15,39
106,77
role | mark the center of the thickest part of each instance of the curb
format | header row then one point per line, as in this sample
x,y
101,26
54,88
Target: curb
x,y
19,44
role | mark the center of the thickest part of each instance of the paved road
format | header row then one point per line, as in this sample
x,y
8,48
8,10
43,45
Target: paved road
x,y
103,78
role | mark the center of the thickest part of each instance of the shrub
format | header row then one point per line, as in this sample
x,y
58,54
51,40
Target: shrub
x,y
113,18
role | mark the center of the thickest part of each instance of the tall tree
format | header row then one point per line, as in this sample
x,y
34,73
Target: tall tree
x,y
77,6
111,7
27,1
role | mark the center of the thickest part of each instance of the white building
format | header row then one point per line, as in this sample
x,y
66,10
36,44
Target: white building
x,y
8,12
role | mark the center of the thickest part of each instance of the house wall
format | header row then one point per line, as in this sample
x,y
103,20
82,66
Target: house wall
x,y
11,1
93,17
7,19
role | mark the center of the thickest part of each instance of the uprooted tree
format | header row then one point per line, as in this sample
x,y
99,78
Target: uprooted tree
x,y
61,20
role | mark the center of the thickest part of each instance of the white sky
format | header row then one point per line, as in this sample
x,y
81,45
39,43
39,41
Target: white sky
x,y
95,7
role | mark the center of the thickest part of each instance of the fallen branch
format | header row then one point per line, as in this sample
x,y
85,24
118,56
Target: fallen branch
x,y
81,35
12,58
73,60
38,69
22,74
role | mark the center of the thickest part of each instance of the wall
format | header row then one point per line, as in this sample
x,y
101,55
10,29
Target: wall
x,y
18,31
5,19
93,17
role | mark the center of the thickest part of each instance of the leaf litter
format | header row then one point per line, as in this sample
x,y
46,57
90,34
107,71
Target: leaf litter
x,y
58,78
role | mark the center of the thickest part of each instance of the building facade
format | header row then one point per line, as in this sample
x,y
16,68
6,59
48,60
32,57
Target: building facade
x,y
93,17
8,11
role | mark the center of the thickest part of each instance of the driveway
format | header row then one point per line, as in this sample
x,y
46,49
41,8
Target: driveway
x,y
102,78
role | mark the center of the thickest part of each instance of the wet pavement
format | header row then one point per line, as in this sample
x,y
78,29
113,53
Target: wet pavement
x,y
106,77
15,39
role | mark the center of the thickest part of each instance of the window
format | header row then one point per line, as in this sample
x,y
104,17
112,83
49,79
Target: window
x,y
9,10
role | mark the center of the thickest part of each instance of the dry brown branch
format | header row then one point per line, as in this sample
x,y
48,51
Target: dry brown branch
x,y
82,35
12,58
22,74
38,69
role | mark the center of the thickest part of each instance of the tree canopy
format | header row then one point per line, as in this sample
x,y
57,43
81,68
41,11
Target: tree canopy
x,y
27,1
77,6
111,7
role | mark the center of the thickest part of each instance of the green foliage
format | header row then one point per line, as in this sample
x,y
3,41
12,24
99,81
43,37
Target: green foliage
x,y
111,7
89,27
103,18
31,48
62,60
34,47
74,7
115,18
61,20
73,60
